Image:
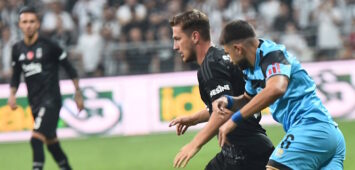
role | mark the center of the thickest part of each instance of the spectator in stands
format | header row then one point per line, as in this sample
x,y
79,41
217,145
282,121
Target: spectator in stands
x,y
245,10
302,11
58,24
121,21
295,43
109,24
284,16
85,11
90,47
269,9
137,55
110,31
5,47
165,56
157,14
131,14
329,19
10,16
222,12
202,5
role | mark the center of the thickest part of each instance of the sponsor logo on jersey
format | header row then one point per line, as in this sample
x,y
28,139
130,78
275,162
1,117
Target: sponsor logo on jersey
x,y
219,89
32,69
39,53
30,55
22,57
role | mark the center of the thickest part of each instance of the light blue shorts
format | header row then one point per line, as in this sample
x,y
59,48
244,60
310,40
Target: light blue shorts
x,y
308,146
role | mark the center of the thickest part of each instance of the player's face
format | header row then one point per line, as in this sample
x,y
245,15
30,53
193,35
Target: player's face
x,y
235,52
29,24
183,45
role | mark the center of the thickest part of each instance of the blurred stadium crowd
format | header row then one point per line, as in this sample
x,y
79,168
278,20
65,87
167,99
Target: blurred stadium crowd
x,y
120,37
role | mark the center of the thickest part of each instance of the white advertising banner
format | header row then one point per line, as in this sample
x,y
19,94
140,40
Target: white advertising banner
x,y
130,105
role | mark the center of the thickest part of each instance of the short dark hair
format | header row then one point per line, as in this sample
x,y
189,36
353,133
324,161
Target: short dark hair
x,y
236,30
28,9
193,20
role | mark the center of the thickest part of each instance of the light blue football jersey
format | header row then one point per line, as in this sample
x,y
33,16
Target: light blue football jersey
x,y
300,101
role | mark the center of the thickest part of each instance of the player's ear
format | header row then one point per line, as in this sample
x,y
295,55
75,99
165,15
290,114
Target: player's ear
x,y
195,36
237,48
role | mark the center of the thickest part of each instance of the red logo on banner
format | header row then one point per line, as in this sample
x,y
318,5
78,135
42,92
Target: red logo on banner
x,y
30,55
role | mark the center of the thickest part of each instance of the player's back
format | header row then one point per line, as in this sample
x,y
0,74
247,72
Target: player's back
x,y
217,77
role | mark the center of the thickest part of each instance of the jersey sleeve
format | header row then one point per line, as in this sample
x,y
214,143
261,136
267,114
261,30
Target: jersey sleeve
x,y
17,69
275,63
62,57
68,67
217,80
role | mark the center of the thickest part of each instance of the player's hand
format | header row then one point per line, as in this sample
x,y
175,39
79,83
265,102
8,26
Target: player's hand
x,y
224,130
12,102
182,123
79,100
185,154
219,106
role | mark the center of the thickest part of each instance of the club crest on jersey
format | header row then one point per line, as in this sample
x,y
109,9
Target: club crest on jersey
x,y
30,55
39,53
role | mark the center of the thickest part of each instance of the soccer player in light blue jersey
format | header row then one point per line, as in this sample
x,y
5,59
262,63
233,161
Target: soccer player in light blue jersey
x,y
276,79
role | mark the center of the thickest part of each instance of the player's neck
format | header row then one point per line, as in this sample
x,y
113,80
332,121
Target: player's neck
x,y
202,50
30,40
251,51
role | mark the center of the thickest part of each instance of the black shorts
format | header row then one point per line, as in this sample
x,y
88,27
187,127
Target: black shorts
x,y
252,155
46,121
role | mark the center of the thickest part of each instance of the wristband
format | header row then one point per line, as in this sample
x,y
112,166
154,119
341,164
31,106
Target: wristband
x,y
230,101
237,117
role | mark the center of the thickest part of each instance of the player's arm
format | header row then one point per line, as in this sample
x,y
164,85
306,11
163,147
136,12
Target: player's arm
x,y
182,123
15,79
72,73
70,70
277,70
276,86
219,77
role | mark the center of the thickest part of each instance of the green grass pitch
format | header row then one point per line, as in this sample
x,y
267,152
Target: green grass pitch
x,y
151,152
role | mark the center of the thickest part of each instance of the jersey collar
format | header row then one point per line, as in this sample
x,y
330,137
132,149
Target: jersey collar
x,y
259,54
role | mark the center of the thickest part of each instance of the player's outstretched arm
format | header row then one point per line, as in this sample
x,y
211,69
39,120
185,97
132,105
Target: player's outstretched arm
x,y
275,87
182,123
202,137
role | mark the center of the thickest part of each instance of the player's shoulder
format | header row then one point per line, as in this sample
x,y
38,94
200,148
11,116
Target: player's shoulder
x,y
271,52
267,46
18,47
216,57
18,44
216,62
